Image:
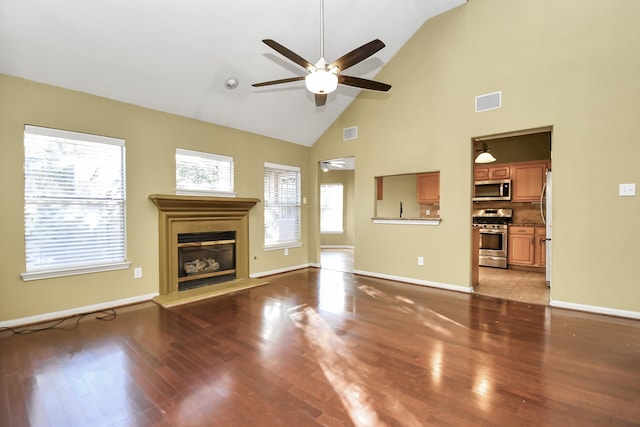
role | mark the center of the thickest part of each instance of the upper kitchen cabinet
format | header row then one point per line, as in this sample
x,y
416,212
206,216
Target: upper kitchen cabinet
x,y
428,187
485,173
527,180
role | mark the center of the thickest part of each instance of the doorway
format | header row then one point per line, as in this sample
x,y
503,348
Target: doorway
x,y
337,213
337,259
524,277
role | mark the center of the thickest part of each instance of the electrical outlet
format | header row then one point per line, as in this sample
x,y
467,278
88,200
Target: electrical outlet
x,y
427,212
286,251
137,273
420,260
627,190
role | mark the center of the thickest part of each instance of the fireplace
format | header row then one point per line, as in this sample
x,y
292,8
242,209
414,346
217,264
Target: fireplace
x,y
203,247
206,258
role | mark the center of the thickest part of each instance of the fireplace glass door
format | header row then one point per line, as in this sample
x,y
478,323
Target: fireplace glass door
x,y
206,258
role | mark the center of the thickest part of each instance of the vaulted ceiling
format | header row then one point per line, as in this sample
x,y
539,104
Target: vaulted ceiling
x,y
175,56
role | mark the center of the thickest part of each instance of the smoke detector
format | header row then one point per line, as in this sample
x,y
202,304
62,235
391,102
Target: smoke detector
x,y
231,83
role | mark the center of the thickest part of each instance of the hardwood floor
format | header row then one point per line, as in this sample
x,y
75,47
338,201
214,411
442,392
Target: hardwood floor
x,y
323,347
339,259
510,284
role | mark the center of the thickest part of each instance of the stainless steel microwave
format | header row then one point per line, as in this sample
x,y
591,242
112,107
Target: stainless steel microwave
x,y
499,189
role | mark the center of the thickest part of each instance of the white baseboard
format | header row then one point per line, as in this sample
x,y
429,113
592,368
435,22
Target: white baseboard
x,y
281,270
446,286
595,309
337,247
73,311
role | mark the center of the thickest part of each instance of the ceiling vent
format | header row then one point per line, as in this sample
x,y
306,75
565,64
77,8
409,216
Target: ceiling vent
x,y
350,133
489,101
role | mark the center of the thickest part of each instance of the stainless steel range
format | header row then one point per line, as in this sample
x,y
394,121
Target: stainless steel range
x,y
493,235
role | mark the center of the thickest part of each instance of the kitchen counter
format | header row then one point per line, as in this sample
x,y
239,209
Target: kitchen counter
x,y
406,221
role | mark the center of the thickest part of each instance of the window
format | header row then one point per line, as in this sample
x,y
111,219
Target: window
x,y
281,206
199,173
74,203
331,213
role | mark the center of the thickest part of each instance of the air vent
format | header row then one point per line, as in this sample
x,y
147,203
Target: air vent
x,y
350,133
489,101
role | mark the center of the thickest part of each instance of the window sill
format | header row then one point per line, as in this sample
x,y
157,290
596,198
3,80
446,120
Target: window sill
x,y
205,193
407,221
50,274
283,246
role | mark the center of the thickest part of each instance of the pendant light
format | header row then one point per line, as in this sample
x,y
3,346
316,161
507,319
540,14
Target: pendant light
x,y
485,155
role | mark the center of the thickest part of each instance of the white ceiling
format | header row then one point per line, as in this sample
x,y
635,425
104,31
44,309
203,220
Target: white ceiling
x,y
175,55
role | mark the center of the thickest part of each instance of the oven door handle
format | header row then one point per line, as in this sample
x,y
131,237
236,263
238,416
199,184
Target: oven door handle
x,y
488,231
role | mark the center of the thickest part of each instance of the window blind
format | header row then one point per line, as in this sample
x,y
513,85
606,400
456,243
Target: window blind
x,y
199,172
74,199
281,205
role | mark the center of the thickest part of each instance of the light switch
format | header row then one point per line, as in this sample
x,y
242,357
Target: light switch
x,y
627,190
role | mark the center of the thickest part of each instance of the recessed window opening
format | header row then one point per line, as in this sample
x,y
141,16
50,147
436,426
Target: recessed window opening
x,y
282,213
331,209
200,173
74,203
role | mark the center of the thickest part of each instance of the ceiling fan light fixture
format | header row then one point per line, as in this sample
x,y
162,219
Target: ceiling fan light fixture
x,y
321,82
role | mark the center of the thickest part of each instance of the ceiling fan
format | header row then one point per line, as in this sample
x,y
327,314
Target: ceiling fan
x,y
326,165
323,78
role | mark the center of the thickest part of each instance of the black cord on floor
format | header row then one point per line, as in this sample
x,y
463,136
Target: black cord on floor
x,y
106,315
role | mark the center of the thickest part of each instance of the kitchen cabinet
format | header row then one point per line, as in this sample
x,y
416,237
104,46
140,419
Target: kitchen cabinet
x,y
484,173
379,188
428,187
521,246
527,180
540,247
527,246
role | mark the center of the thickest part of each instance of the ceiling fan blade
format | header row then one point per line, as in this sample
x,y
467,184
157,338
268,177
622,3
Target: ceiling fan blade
x,y
357,55
277,82
363,83
289,54
321,99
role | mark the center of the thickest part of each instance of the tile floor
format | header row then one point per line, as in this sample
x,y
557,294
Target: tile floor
x,y
514,285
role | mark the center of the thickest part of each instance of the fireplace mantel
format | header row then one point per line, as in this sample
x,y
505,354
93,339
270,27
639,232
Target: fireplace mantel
x,y
178,215
169,202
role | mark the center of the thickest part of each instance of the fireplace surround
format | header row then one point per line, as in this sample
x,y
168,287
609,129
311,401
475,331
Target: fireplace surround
x,y
203,247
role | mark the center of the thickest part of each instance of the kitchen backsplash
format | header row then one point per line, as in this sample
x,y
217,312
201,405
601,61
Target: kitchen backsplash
x,y
434,210
523,213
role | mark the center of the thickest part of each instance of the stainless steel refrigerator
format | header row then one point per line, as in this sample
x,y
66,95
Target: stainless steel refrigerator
x,y
547,218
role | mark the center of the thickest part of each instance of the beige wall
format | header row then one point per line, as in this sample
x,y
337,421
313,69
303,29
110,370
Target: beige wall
x,y
573,65
346,178
151,139
568,64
